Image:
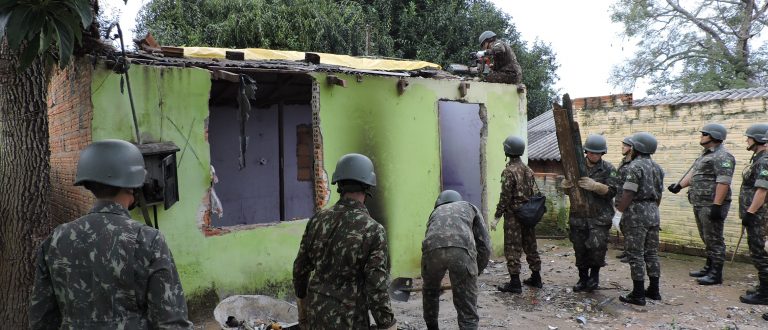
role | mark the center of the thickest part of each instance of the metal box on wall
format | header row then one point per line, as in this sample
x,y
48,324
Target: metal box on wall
x,y
161,184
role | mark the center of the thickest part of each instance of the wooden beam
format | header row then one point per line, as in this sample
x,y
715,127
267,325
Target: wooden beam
x,y
571,154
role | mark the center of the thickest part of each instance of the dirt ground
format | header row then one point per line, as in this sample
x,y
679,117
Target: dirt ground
x,y
684,304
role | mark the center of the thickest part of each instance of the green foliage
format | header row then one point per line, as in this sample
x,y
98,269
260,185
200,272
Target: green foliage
x,y
439,31
32,27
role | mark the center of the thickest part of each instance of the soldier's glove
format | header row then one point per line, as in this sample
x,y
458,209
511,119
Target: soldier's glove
x,y
567,185
617,219
480,54
495,222
592,185
675,188
749,219
716,213
302,312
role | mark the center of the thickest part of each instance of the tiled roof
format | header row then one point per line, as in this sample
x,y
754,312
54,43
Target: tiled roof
x,y
728,94
542,138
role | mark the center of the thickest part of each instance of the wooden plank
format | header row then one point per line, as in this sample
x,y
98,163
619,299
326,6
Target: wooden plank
x,y
571,154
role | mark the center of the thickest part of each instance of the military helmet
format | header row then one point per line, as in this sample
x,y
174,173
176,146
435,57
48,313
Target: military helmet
x,y
715,130
485,36
355,167
447,196
514,145
627,140
596,143
757,132
644,142
114,163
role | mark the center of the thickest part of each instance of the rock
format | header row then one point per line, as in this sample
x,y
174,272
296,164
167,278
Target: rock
x,y
551,327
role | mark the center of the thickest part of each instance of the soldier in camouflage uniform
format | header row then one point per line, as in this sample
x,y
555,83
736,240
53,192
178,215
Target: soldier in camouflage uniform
x,y
753,210
710,194
517,184
105,270
626,153
505,67
589,228
341,271
639,208
456,241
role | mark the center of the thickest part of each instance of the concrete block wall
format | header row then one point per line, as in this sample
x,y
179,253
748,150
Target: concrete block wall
x,y
69,125
555,221
677,129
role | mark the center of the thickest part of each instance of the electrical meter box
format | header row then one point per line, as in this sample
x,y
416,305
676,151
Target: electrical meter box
x,y
161,186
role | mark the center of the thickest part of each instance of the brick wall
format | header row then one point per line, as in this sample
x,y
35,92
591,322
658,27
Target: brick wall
x,y
676,127
69,116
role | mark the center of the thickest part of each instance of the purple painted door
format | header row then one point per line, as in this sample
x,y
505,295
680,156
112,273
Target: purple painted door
x,y
460,129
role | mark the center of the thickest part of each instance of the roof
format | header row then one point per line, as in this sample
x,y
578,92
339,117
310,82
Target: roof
x,y
542,138
728,94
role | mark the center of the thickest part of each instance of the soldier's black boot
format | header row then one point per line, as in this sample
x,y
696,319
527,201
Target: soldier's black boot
x,y
594,279
760,297
703,271
513,286
582,283
653,289
715,276
637,296
534,280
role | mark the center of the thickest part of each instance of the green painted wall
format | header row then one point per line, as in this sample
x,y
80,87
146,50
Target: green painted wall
x,y
398,132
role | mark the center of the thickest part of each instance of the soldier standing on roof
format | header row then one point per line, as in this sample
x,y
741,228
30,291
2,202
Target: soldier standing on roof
x,y
505,68
517,184
589,230
710,194
341,272
456,241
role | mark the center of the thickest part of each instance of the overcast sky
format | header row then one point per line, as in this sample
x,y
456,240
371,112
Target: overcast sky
x,y
585,41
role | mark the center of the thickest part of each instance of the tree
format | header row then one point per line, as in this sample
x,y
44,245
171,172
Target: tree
x,y
695,46
28,32
439,31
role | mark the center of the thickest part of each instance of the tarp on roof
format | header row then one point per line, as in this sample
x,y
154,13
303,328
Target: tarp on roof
x,y
255,54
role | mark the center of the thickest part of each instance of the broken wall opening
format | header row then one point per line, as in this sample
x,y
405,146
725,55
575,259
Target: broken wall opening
x,y
272,179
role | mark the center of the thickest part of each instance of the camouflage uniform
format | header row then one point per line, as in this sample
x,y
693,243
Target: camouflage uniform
x,y
506,69
347,251
106,271
646,179
622,173
517,184
756,176
589,235
715,165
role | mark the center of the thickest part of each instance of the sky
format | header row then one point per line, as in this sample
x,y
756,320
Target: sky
x,y
586,43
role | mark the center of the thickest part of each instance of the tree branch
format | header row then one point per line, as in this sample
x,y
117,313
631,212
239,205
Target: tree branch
x,y
704,27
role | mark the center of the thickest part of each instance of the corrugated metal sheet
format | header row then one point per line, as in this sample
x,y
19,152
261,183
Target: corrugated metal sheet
x,y
542,138
728,94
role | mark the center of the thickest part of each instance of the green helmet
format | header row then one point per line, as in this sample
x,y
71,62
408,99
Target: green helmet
x,y
627,140
715,130
757,132
596,143
485,36
114,163
514,146
644,142
355,167
447,196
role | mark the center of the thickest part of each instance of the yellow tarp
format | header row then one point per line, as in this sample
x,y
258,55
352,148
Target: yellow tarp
x,y
325,58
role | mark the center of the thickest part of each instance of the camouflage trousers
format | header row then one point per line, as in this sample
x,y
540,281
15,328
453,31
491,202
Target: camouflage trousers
x,y
590,243
711,233
462,270
642,243
756,243
519,238
325,312
504,77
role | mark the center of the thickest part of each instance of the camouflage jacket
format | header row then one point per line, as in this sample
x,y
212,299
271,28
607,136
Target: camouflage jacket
x,y
517,184
619,182
600,206
347,251
458,224
715,165
754,176
646,178
106,271
504,58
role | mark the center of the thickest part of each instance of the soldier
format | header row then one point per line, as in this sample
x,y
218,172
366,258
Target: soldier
x,y
639,208
710,194
105,270
505,68
517,184
456,241
626,157
589,229
753,210
341,270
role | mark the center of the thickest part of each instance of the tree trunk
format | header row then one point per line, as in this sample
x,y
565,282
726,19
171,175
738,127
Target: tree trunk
x,y
24,182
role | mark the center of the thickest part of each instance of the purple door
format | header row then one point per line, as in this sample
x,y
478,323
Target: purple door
x,y
460,130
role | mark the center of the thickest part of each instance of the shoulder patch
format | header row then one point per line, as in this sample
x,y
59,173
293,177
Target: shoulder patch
x,y
764,173
614,174
727,164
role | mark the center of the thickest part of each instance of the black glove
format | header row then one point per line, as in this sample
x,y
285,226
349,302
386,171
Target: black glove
x,y
749,219
716,213
674,188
